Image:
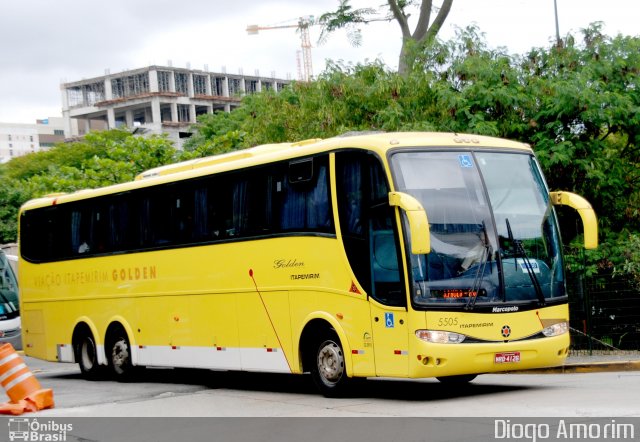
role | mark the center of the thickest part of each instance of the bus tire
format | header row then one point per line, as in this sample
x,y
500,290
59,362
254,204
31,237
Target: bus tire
x,y
118,352
87,355
328,370
457,379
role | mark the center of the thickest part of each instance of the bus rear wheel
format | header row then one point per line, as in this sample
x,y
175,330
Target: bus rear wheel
x,y
328,370
119,355
87,356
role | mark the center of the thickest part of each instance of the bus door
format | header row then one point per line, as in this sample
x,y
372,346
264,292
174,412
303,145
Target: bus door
x,y
388,306
370,239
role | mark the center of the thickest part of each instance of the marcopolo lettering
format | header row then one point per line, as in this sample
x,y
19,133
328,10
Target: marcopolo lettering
x,y
513,308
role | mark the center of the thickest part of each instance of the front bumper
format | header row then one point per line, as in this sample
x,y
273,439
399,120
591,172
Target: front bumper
x,y
435,360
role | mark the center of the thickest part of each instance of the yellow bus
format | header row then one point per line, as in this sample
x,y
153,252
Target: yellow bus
x,y
406,255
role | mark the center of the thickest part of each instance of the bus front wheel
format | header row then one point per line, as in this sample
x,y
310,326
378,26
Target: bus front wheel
x,y
328,370
119,355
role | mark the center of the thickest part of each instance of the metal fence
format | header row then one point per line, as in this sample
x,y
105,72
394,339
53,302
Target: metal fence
x,y
604,312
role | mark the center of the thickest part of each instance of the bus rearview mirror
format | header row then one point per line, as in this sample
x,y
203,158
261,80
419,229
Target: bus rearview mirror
x,y
418,222
584,209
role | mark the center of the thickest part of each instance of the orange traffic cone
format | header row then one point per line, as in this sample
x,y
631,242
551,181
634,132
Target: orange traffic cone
x,y
22,387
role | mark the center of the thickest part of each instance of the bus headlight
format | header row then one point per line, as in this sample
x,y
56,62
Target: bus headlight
x,y
556,329
440,337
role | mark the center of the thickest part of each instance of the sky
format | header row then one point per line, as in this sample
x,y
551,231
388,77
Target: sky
x,y
44,43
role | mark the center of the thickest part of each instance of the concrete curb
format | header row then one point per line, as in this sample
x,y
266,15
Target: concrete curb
x,y
587,367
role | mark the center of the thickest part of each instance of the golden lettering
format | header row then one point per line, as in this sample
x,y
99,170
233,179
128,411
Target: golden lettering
x,y
135,273
48,280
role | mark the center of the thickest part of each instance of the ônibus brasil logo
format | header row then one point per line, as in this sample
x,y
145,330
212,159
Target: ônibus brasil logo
x,y
31,430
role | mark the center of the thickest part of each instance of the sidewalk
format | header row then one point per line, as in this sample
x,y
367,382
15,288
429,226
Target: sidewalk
x,y
586,356
584,361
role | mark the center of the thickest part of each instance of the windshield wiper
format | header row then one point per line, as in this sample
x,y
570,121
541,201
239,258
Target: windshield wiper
x,y
477,281
518,249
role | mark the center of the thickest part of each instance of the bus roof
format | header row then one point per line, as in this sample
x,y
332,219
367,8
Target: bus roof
x,y
221,158
263,154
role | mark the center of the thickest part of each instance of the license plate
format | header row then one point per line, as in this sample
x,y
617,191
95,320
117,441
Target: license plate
x,y
504,358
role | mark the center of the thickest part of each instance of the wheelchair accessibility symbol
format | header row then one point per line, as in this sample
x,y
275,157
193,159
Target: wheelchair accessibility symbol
x,y
465,161
388,320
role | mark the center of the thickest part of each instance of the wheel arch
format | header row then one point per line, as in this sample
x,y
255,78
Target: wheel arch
x,y
314,325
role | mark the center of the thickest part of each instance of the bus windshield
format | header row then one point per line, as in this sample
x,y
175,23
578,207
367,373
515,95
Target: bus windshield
x,y
494,235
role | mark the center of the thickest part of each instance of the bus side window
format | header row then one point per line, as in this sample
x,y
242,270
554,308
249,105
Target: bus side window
x,y
78,235
303,204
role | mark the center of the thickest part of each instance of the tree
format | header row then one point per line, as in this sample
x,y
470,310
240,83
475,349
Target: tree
x,y
423,34
11,198
576,105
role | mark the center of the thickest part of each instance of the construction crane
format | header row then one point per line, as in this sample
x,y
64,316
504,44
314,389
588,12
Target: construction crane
x,y
305,67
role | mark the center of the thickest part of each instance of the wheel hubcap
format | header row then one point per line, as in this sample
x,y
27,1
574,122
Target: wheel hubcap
x,y
120,356
330,362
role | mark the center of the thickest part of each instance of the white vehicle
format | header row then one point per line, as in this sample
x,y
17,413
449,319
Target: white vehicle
x,y
10,325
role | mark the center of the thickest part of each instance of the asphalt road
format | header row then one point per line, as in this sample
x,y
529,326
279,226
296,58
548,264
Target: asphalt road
x,y
192,393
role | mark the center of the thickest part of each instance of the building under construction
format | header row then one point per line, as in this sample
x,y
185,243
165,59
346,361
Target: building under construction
x,y
158,99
